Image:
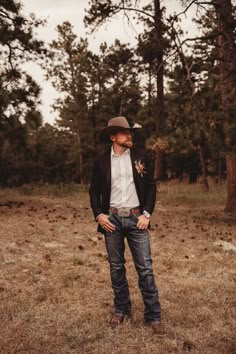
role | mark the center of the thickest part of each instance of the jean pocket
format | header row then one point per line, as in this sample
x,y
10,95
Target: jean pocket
x,y
135,218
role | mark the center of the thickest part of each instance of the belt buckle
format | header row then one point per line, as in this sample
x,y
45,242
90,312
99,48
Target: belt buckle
x,y
124,212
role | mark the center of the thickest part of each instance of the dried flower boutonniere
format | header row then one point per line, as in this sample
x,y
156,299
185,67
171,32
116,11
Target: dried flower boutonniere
x,y
140,168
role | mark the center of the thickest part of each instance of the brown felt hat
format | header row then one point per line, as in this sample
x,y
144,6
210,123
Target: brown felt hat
x,y
115,125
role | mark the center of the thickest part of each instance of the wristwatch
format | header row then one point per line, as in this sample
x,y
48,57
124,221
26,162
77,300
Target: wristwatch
x,y
146,214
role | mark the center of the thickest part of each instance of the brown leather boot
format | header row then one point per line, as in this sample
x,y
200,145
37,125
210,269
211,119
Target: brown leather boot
x,y
158,329
117,319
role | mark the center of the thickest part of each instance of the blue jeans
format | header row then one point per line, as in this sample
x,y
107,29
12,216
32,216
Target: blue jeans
x,y
139,244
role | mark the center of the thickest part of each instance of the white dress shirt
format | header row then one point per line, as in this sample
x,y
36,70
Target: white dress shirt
x,y
123,191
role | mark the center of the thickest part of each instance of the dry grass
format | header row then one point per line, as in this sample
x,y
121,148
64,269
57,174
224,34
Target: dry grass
x,y
55,293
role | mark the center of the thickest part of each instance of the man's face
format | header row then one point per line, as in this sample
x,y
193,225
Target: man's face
x,y
123,138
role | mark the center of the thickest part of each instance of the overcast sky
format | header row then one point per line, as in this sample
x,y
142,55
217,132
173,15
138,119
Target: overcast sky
x,y
57,11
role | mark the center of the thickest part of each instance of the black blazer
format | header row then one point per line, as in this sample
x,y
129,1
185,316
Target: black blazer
x,y
100,187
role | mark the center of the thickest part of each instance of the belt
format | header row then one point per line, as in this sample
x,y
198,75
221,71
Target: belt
x,y
125,212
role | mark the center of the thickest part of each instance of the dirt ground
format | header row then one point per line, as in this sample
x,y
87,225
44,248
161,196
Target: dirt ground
x,y
55,291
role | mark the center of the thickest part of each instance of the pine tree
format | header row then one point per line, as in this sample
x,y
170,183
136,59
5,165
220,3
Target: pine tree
x,y
226,42
101,11
67,68
221,42
19,94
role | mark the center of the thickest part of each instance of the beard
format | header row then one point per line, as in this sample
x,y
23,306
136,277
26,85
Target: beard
x,y
127,144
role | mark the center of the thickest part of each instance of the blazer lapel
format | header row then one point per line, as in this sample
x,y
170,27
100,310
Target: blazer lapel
x,y
135,174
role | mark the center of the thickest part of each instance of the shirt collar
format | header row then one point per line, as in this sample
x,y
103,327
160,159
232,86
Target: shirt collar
x,y
113,154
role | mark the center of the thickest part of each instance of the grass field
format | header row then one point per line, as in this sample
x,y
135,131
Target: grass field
x,y
55,291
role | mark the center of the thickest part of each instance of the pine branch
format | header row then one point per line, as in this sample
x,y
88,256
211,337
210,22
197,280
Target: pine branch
x,y
196,2
5,14
130,23
203,38
10,56
136,10
110,12
186,9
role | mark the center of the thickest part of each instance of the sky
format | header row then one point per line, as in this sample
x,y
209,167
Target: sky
x,y
57,11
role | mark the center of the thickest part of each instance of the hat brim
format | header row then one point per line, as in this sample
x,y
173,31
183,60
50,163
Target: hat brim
x,y
104,134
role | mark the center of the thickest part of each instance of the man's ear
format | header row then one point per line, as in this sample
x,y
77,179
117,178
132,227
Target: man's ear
x,y
112,137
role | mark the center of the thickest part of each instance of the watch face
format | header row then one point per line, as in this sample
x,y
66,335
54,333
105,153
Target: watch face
x,y
145,213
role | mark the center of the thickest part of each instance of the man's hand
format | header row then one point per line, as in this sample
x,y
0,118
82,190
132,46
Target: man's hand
x,y
105,223
142,222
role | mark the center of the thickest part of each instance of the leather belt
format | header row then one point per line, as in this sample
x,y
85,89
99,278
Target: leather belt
x,y
125,212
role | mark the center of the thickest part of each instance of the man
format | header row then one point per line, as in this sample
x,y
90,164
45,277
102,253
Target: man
x,y
122,196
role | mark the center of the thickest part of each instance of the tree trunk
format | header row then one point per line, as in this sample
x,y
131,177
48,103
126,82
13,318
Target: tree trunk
x,y
231,184
203,166
160,122
149,90
227,62
79,161
160,126
219,170
81,172
121,105
158,168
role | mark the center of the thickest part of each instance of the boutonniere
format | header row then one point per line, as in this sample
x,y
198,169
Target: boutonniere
x,y
140,168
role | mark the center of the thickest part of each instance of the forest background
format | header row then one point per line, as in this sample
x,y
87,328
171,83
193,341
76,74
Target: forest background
x,y
180,89
55,292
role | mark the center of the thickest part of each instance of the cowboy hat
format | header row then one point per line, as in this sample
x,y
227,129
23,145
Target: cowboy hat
x,y
115,125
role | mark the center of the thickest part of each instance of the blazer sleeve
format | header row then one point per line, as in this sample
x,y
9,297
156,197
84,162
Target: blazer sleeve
x,y
150,190
95,190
